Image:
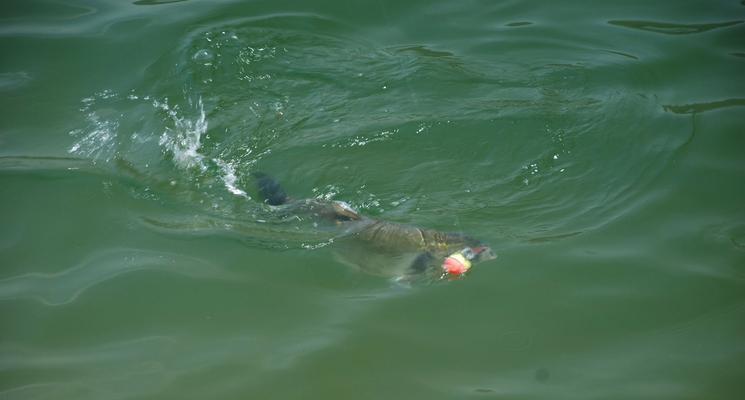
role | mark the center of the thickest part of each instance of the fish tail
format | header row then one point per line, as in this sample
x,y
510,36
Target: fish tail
x,y
269,189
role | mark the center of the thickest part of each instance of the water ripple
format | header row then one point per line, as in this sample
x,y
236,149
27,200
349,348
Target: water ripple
x,y
703,107
36,163
65,286
672,28
14,80
155,2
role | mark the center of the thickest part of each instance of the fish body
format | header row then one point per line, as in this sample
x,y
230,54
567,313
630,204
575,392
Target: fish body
x,y
379,247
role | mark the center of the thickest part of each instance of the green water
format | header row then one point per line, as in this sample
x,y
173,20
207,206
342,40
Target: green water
x,y
597,147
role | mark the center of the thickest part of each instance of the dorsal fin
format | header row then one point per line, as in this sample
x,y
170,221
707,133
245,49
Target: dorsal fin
x,y
344,211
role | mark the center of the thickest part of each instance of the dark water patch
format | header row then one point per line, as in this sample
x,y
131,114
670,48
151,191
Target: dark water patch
x,y
543,239
672,28
517,24
703,107
155,2
738,54
424,51
622,54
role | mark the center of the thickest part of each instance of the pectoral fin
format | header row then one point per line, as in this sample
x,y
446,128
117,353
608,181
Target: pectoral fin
x,y
421,269
422,262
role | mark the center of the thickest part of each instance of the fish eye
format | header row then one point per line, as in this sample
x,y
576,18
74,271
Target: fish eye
x,y
468,253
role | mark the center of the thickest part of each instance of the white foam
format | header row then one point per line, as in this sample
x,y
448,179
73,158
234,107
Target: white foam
x,y
185,138
229,178
99,141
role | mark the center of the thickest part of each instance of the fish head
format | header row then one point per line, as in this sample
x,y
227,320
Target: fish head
x,y
478,254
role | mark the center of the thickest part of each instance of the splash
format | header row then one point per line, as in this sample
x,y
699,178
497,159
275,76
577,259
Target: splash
x,y
98,140
229,178
124,127
184,140
170,149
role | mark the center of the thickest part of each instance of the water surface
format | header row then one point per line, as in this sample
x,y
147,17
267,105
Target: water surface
x,y
597,148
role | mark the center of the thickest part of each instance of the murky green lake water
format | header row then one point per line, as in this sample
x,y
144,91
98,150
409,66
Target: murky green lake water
x,y
597,147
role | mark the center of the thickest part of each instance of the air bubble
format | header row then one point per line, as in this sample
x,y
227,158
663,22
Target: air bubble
x,y
203,56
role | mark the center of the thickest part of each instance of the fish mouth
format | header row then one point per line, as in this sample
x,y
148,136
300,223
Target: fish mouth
x,y
482,253
487,254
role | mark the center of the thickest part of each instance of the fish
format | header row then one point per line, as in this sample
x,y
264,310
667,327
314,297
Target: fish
x,y
405,253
